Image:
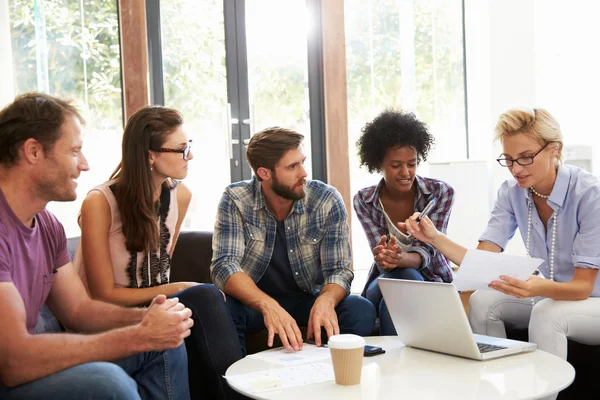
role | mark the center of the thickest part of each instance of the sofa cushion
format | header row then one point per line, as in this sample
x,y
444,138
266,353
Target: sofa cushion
x,y
192,257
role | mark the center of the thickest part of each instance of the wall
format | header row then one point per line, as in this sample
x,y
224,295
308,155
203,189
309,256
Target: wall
x,y
501,70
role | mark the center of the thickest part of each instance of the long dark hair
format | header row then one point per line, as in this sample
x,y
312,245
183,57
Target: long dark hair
x,y
134,188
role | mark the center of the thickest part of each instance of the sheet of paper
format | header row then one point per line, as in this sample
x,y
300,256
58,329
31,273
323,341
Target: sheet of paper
x,y
282,378
480,267
309,353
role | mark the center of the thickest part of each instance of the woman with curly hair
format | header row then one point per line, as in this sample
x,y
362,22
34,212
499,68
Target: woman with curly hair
x,y
393,144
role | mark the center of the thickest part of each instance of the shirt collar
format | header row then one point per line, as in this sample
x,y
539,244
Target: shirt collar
x,y
374,195
260,202
422,188
561,184
559,190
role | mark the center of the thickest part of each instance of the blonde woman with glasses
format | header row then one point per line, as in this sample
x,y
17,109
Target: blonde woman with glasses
x,y
557,210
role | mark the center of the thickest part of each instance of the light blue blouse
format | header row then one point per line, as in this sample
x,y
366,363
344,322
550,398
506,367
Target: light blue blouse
x,y
576,199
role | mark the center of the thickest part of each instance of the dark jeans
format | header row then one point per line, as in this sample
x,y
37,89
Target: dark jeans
x,y
355,315
212,346
386,326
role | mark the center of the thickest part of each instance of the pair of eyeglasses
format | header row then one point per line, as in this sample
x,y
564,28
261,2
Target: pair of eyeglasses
x,y
185,151
508,162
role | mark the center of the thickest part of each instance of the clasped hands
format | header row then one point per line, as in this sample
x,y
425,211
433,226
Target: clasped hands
x,y
388,254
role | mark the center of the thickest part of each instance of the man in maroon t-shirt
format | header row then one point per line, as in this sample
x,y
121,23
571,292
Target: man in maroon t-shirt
x,y
40,160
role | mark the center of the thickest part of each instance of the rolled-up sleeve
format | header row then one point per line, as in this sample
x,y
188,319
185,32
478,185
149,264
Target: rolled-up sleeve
x,y
335,247
228,242
586,246
502,224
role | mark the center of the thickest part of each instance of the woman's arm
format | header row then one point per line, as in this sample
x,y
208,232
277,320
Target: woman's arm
x,y
580,287
95,224
184,196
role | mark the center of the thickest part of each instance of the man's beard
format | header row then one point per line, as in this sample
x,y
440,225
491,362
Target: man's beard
x,y
286,191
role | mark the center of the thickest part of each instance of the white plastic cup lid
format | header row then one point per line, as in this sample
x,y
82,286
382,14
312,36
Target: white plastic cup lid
x,y
345,341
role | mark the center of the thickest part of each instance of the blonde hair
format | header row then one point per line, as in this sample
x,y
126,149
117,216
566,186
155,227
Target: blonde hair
x,y
536,123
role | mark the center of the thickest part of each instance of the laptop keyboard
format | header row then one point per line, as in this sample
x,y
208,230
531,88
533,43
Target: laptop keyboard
x,y
486,348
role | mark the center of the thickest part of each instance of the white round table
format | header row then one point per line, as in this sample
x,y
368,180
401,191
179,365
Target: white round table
x,y
407,373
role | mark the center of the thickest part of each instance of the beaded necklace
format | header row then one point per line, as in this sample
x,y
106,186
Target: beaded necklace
x,y
553,246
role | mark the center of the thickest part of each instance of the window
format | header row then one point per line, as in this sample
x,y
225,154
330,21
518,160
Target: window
x,y
70,50
406,55
232,69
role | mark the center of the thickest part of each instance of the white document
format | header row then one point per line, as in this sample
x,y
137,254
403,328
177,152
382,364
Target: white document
x,y
309,353
480,267
282,378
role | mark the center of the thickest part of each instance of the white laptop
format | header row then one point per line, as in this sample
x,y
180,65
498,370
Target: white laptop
x,y
430,316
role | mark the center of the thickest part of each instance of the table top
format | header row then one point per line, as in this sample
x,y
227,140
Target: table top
x,y
408,373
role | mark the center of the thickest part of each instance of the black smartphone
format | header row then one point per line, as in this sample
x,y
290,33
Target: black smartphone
x,y
373,351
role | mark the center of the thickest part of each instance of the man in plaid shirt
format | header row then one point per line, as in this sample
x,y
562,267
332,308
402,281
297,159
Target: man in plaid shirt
x,y
281,249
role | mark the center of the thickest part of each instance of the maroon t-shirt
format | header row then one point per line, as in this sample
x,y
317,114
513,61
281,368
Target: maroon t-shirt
x,y
30,257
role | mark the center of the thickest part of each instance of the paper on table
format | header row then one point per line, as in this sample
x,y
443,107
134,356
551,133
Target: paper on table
x,y
309,353
282,378
480,267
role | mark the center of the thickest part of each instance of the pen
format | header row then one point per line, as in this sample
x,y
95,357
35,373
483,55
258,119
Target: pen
x,y
427,209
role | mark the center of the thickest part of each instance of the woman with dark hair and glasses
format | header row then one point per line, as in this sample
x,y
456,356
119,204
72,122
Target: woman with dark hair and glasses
x,y
129,228
557,210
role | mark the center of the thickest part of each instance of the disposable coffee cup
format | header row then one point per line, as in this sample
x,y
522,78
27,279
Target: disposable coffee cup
x,y
346,355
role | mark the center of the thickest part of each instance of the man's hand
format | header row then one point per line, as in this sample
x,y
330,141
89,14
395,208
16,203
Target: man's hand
x,y
280,322
322,314
532,287
387,255
166,324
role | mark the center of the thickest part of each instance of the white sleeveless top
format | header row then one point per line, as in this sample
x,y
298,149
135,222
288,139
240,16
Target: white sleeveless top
x,y
136,270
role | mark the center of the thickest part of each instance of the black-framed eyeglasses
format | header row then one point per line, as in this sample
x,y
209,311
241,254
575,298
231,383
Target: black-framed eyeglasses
x,y
185,151
508,162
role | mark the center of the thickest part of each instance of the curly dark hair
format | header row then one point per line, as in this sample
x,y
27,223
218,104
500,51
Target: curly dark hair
x,y
392,129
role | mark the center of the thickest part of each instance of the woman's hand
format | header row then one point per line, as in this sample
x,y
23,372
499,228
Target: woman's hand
x,y
534,286
387,255
424,231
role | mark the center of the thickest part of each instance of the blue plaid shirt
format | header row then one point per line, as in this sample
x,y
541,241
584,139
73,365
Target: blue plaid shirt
x,y
317,236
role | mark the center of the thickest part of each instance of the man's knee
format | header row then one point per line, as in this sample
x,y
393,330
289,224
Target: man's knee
x,y
235,307
97,380
178,357
356,315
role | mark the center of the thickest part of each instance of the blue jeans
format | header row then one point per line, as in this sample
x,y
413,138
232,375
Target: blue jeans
x,y
212,346
151,375
386,326
355,315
